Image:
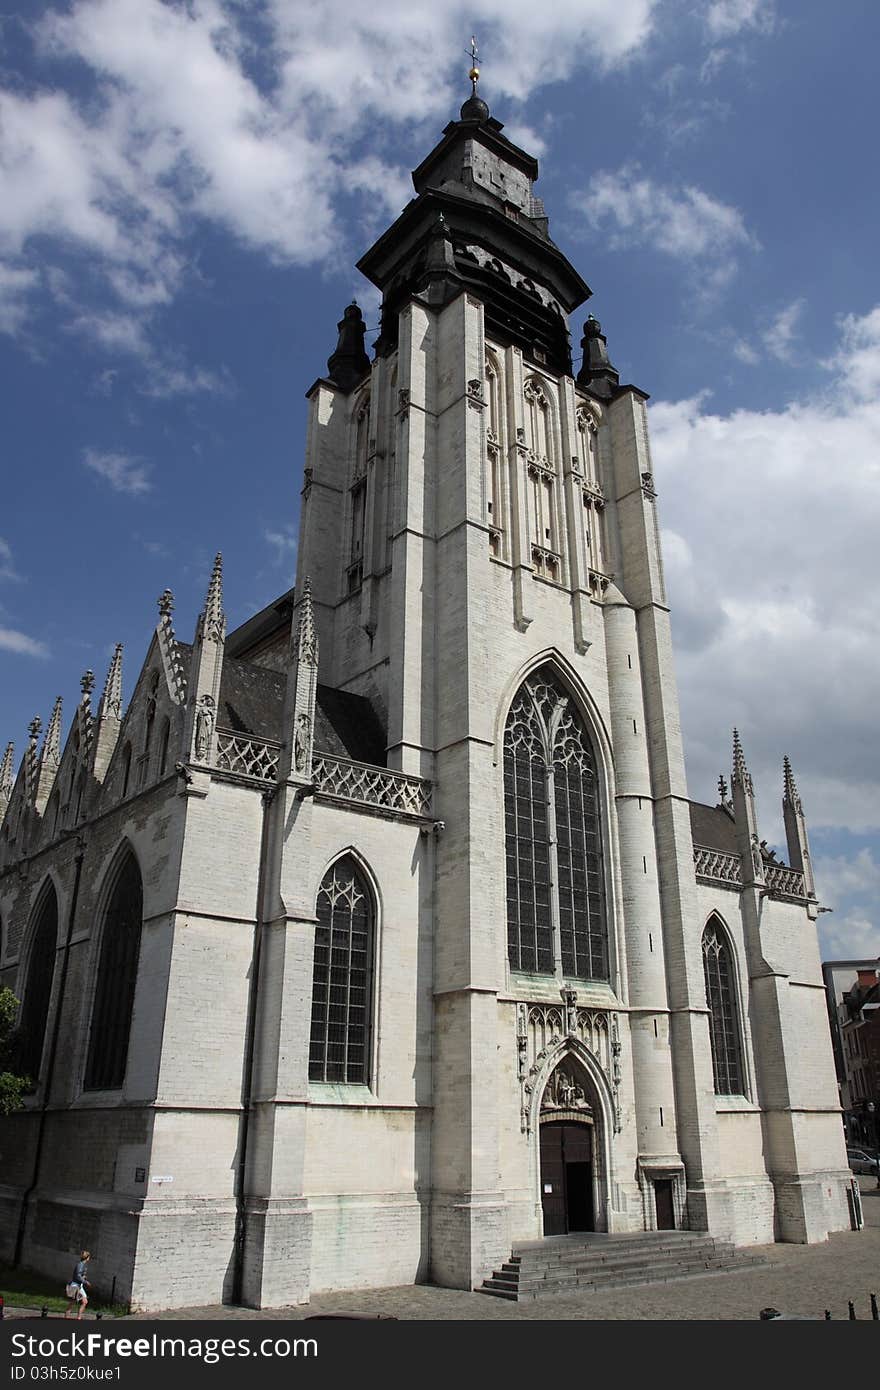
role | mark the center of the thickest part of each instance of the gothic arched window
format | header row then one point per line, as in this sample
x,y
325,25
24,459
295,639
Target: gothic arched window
x,y
126,768
38,986
117,974
553,836
163,746
342,983
718,967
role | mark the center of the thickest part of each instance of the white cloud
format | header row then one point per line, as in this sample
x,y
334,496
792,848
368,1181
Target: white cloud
x,y
746,353
684,222
779,337
7,564
20,643
185,121
15,285
858,360
773,596
283,542
844,875
724,18
851,937
124,474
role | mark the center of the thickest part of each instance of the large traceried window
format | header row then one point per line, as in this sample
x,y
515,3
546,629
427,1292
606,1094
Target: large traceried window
x,y
38,986
343,975
556,914
724,1034
117,975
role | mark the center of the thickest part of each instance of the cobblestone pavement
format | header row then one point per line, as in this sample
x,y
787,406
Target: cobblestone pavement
x,y
798,1279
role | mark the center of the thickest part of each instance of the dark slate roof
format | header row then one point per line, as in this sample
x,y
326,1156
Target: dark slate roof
x,y
348,726
252,702
713,827
272,619
251,699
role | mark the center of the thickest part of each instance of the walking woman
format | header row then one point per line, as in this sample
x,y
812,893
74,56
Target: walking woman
x,y
76,1289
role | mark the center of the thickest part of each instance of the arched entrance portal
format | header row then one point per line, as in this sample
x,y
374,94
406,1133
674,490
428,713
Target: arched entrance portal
x,y
568,1158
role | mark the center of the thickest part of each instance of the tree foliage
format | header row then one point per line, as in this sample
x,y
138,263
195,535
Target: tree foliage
x,y
12,1086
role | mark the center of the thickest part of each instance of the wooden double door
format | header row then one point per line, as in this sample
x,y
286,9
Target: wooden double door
x,y
566,1177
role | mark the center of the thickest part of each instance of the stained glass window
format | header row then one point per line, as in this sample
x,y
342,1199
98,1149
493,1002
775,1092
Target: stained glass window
x,y
553,837
342,981
723,1013
38,986
117,975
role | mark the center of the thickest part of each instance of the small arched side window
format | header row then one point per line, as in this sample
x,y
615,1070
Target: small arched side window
x,y
342,988
721,999
117,975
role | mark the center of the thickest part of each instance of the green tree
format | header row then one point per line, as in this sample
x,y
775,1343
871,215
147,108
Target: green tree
x,y
12,1086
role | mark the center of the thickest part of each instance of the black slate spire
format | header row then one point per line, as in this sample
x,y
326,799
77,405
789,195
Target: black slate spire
x,y
349,364
596,371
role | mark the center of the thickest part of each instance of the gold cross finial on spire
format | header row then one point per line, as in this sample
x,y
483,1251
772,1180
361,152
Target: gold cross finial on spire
x,y
474,73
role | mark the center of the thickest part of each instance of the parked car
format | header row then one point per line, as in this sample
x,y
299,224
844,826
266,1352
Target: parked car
x,y
860,1161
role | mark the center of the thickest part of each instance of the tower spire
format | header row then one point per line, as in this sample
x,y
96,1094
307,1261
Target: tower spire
x,y
51,752
302,683
475,108
203,686
740,771
6,777
796,829
109,717
111,699
213,623
349,364
789,788
169,650
31,761
746,817
50,757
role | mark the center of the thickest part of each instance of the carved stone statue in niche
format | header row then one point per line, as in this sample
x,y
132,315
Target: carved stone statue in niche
x,y
563,1093
301,742
204,728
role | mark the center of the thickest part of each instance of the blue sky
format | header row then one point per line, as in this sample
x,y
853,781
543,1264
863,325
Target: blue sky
x,y
184,190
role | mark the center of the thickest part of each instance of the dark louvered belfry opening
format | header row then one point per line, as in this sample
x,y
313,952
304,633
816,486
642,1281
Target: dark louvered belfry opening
x,y
38,988
117,975
723,1021
553,837
342,990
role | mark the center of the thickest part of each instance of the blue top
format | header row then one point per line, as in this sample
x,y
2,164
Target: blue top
x,y
79,1274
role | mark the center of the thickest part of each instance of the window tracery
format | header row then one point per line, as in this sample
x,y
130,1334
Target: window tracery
x,y
38,986
721,999
117,976
339,1047
556,914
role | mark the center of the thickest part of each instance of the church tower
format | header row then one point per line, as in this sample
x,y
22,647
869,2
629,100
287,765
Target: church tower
x,y
479,524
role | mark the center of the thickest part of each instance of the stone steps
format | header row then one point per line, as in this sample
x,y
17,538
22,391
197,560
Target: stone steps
x,y
569,1265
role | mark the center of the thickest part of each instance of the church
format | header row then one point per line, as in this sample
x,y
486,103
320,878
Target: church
x,y
380,934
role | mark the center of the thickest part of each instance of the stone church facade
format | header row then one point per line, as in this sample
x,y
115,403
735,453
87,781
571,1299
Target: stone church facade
x,y
380,934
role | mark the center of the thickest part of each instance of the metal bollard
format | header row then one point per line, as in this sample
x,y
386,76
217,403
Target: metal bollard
x,y
852,1311
2,1306
827,1314
98,1317
44,1311
874,1314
